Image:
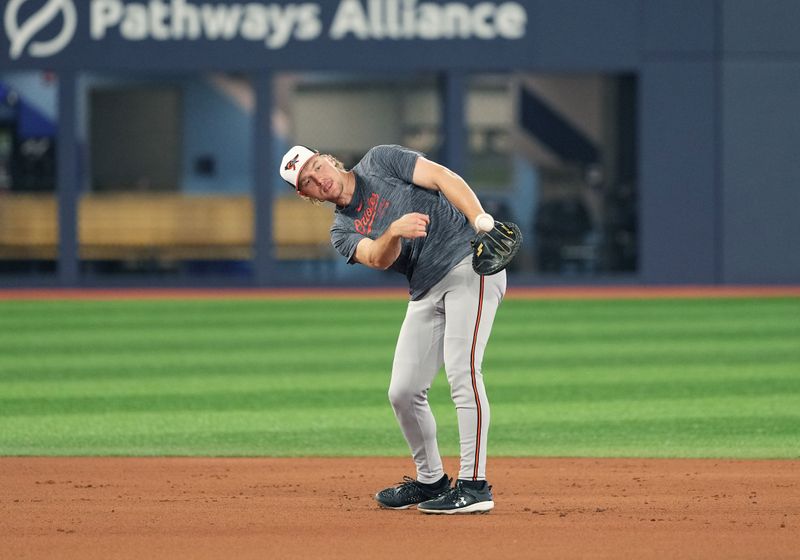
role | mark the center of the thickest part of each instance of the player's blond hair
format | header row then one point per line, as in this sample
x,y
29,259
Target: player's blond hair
x,y
337,164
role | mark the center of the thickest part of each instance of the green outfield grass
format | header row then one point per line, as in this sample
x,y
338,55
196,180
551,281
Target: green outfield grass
x,y
637,378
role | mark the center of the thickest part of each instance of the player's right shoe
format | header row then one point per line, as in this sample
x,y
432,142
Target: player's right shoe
x,y
410,492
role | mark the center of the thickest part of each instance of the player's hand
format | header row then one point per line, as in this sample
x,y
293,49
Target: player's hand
x,y
411,226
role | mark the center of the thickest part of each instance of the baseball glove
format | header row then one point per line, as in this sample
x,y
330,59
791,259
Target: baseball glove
x,y
493,250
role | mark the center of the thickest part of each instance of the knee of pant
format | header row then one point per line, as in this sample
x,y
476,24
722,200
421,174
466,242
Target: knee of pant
x,y
463,400
402,396
460,371
462,377
465,395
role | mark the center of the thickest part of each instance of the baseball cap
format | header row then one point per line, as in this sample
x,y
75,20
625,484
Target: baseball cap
x,y
293,162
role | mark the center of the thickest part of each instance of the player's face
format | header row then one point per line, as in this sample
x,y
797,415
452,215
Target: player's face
x,y
320,179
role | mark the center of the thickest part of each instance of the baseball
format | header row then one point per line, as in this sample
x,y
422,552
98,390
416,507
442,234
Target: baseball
x,y
484,222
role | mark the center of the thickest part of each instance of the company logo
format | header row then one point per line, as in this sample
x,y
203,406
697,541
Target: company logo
x,y
274,24
21,35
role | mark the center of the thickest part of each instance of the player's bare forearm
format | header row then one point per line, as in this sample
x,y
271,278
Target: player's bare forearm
x,y
460,195
381,253
433,176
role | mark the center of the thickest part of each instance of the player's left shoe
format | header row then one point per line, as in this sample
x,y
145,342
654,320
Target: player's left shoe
x,y
466,497
410,492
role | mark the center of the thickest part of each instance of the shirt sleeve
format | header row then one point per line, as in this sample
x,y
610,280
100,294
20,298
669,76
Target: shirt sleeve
x,y
345,240
397,161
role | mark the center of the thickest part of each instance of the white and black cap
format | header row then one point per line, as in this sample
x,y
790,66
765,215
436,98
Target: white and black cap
x,y
293,162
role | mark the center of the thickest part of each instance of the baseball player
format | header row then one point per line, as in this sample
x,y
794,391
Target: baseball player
x,y
398,210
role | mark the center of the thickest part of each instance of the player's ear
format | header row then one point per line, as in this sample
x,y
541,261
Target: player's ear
x,y
313,201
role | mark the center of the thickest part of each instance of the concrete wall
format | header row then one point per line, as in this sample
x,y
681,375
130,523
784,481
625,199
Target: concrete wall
x,y
678,122
719,135
760,166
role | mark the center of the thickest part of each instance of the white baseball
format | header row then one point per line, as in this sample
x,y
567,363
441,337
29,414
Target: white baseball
x,y
484,222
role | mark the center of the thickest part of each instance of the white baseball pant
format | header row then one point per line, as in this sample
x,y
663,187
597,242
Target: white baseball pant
x,y
450,326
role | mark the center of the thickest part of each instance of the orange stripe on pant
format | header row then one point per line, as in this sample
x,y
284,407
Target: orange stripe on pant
x,y
475,385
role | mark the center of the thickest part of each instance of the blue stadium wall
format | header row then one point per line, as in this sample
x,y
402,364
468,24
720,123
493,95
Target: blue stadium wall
x,y
719,136
719,84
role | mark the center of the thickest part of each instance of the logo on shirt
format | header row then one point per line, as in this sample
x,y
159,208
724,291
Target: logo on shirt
x,y
375,207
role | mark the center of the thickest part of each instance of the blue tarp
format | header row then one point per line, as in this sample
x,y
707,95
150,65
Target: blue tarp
x,y
31,123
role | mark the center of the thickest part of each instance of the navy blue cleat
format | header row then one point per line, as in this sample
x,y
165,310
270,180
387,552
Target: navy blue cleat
x,y
410,492
466,497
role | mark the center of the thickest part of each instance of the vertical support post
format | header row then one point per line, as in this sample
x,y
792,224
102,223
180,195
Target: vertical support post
x,y
452,93
67,185
265,171
719,162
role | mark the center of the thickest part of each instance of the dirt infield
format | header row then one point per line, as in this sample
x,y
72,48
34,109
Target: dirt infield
x,y
557,292
91,508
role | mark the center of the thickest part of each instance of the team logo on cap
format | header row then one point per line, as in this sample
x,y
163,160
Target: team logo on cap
x,y
292,164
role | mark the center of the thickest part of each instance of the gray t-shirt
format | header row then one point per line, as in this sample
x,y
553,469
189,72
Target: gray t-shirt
x,y
384,192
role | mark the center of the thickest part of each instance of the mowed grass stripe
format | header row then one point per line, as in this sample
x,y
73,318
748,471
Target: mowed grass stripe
x,y
225,311
274,398
643,433
99,364
693,383
612,312
385,333
735,436
498,369
621,316
231,313
173,334
265,390
324,348
208,361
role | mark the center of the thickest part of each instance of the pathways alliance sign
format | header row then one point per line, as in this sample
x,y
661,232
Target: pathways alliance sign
x,y
40,29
